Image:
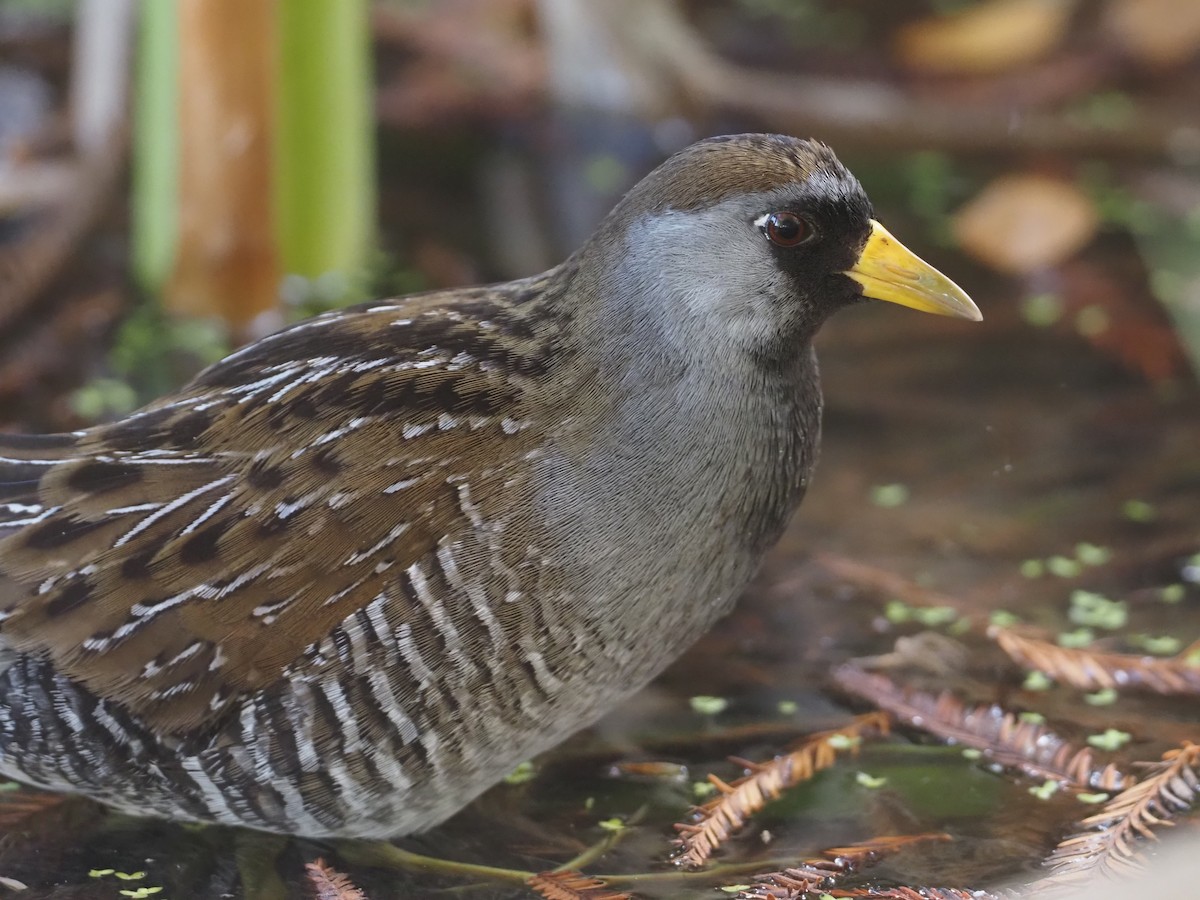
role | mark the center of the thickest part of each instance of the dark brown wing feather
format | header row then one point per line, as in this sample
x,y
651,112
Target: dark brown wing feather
x,y
186,555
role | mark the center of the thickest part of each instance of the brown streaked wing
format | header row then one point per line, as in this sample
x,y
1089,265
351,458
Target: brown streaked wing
x,y
173,576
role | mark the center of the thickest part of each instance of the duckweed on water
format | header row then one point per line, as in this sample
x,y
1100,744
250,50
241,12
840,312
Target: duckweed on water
x,y
1092,554
1111,739
1037,681
521,774
1173,593
889,496
1064,567
843,741
872,782
1166,645
1138,511
1002,618
1097,611
1045,790
708,706
1077,639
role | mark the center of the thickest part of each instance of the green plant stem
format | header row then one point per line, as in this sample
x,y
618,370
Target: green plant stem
x,y
602,846
388,856
382,855
155,173
325,177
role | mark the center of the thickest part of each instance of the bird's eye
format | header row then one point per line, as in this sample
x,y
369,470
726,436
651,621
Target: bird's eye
x,y
785,229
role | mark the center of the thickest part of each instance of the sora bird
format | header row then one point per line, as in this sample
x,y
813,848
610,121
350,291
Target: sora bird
x,y
348,577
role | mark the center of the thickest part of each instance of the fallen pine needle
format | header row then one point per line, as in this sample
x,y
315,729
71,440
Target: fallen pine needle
x,y
726,813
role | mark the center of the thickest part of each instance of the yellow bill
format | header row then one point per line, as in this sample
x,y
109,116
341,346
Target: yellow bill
x,y
887,270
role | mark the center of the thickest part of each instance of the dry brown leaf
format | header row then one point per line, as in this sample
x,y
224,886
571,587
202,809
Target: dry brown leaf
x,y
1110,841
326,883
571,885
1021,223
726,813
1155,32
1003,738
1089,670
988,37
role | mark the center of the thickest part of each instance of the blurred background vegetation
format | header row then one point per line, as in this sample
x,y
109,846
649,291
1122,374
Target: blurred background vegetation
x,y
217,168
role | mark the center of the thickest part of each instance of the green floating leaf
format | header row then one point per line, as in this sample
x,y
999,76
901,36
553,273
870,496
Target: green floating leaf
x,y
1173,593
869,781
1092,798
1033,568
1096,610
1034,718
933,616
843,741
1091,554
521,774
1045,790
1037,681
1138,511
1103,697
1077,639
889,496
1112,739
708,706
1166,645
614,824
1064,567
1002,618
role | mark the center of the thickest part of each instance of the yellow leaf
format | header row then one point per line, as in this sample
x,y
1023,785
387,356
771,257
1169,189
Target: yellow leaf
x,y
1021,223
993,36
1155,32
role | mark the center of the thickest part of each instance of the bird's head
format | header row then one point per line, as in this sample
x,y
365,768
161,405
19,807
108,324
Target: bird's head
x,y
756,239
